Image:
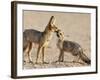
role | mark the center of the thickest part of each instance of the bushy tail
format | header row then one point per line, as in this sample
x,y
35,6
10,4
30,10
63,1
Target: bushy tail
x,y
85,58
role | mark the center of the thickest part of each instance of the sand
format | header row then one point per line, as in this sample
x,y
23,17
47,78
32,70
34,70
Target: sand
x,y
76,27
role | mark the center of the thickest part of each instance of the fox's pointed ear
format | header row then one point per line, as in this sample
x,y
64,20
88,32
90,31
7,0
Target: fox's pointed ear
x,y
52,20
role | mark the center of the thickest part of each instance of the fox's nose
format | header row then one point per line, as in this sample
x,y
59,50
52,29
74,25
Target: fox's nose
x,y
57,35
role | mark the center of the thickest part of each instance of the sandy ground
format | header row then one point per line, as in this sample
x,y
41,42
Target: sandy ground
x,y
76,27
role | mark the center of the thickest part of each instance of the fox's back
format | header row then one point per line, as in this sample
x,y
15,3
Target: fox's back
x,y
71,46
32,35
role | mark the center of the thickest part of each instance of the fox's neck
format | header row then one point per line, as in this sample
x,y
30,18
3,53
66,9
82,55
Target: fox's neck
x,y
48,34
48,31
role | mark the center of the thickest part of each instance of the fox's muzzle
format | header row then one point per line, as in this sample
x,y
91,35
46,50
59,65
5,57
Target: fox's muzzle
x,y
57,33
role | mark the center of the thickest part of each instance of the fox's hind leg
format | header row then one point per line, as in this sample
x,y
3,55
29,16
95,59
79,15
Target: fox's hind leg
x,y
76,53
29,52
25,52
76,58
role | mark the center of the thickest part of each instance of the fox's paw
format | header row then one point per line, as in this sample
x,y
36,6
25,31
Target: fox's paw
x,y
45,62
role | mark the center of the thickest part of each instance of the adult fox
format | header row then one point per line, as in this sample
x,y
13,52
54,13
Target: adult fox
x,y
42,39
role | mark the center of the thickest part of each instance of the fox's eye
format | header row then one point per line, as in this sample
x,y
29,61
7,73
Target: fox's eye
x,y
60,33
57,35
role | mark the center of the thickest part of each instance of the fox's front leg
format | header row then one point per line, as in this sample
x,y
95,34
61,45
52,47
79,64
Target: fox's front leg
x,y
43,52
43,49
61,56
38,52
